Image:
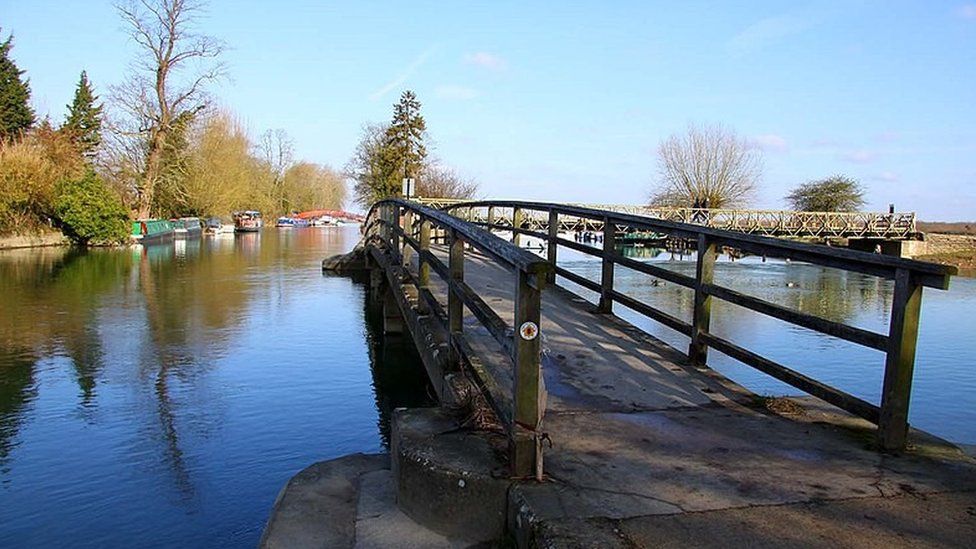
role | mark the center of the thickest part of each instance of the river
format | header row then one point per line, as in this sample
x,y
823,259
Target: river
x,y
162,396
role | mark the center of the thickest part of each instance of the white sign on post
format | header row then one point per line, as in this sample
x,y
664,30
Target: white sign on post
x,y
408,187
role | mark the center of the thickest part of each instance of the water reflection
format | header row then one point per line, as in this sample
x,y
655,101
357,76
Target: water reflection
x,y
190,379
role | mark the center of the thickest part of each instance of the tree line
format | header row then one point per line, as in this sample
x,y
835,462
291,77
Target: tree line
x,y
157,147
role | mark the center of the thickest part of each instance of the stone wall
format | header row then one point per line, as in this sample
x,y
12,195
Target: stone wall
x,y
51,238
948,243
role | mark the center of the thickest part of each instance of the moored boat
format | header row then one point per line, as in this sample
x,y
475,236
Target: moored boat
x,y
291,223
185,227
248,221
152,230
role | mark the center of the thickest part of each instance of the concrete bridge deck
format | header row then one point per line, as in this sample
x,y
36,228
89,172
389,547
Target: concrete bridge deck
x,y
643,443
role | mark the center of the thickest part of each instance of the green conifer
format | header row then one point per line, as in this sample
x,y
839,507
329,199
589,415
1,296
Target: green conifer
x,y
84,121
16,114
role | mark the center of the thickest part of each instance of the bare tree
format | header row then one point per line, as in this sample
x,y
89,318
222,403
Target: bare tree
x,y
277,152
166,87
706,167
367,168
438,181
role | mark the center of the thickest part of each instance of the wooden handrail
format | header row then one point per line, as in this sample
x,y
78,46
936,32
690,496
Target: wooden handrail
x,y
898,345
521,412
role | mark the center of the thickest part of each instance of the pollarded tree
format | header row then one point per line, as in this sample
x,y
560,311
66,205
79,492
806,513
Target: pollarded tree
x,y
706,167
84,121
166,89
834,194
16,115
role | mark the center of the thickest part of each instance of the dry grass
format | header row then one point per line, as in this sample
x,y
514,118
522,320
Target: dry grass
x,y
945,227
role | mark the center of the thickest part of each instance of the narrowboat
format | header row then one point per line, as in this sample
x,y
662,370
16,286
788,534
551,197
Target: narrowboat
x,y
248,221
145,231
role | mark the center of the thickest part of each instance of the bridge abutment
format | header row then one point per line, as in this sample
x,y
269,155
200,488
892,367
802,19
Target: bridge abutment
x,y
896,248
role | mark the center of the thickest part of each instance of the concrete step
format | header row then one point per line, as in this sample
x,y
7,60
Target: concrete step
x,y
448,479
347,502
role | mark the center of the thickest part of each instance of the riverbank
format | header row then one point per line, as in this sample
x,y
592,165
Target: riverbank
x,y
958,250
41,239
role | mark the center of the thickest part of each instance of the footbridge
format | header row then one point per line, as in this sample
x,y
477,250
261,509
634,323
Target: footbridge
x,y
595,430
777,223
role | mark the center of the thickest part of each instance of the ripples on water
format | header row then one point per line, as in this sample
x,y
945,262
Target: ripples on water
x,y
163,396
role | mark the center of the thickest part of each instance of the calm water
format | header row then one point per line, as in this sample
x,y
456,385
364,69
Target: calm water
x,y
162,397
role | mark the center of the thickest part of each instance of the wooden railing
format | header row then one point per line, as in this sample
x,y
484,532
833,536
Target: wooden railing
x,y
403,228
898,344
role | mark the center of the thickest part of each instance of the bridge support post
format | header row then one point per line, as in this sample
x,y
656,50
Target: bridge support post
x,y
701,317
899,362
455,307
407,251
605,306
525,446
394,220
491,218
553,237
516,224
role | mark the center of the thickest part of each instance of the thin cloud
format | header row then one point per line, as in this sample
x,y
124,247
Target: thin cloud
x,y
770,142
857,157
456,92
967,11
406,73
766,32
486,60
888,177
824,142
888,137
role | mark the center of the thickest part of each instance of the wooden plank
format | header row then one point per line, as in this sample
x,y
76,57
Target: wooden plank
x,y
516,225
455,307
701,316
605,305
896,390
578,279
931,274
509,255
552,242
654,314
653,270
423,246
806,384
853,334
497,327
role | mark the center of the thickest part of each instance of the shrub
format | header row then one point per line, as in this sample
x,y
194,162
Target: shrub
x,y
90,213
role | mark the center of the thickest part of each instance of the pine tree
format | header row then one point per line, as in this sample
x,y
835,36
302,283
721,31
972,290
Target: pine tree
x,y
84,121
404,151
16,114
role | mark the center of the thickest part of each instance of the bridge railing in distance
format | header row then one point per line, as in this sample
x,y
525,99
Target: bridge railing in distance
x,y
404,228
898,344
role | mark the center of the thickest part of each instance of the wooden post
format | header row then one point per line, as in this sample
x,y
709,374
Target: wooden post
x,y
395,220
529,401
900,361
407,250
701,317
455,308
553,237
423,270
606,280
516,224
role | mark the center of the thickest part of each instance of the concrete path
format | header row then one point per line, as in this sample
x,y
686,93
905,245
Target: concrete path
x,y
647,447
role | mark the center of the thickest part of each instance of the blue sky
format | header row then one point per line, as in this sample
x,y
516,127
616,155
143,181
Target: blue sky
x,y
568,100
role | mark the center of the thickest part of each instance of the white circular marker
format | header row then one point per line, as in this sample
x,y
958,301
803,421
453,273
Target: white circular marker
x,y
529,331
